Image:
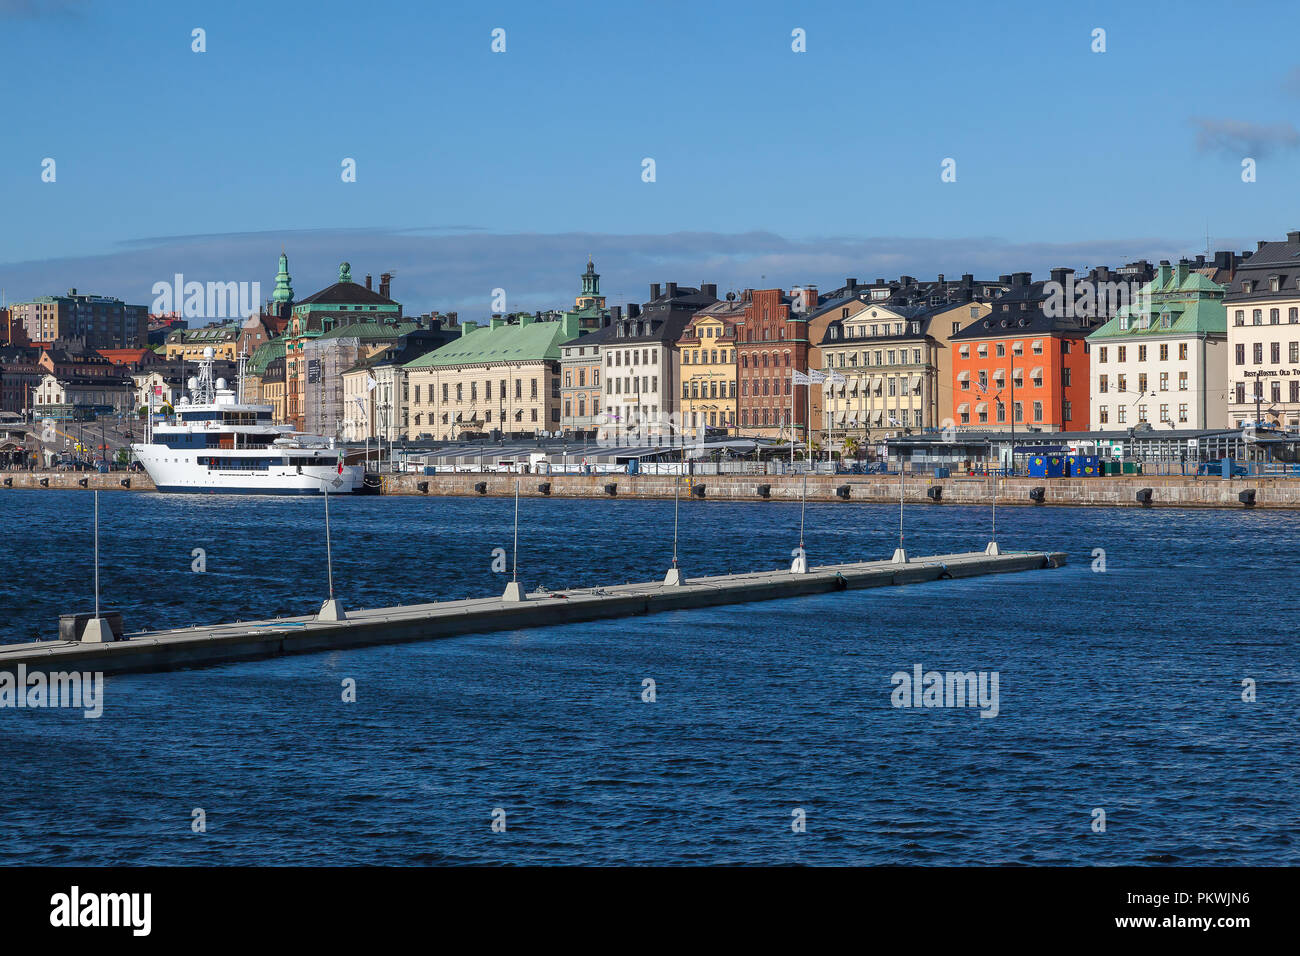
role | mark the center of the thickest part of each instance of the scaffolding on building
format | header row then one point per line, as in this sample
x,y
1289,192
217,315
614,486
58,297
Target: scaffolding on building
x,y
326,360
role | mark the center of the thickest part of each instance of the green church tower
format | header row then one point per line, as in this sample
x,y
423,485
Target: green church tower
x,y
283,294
590,299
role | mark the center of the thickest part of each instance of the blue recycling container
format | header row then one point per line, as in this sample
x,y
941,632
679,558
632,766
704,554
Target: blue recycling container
x,y
1046,466
1083,466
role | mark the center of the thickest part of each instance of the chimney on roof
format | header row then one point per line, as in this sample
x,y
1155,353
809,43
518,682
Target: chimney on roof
x,y
967,279
941,285
710,289
851,284
671,290
367,280
1004,280
1163,273
654,291
1181,271
1059,275
1260,244
615,315
385,284
1223,260
633,310
1293,237
1020,278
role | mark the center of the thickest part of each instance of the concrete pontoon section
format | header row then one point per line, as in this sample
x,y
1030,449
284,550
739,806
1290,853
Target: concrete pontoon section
x,y
249,640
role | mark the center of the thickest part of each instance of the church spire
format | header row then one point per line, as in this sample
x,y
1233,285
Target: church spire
x,y
590,296
283,283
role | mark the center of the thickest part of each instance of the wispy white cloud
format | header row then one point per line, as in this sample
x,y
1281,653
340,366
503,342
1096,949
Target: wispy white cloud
x,y
458,269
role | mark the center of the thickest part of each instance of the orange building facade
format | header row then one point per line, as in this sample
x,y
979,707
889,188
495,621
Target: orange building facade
x,y
1020,368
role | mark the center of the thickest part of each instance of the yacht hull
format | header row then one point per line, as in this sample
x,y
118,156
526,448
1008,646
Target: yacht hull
x,y
176,471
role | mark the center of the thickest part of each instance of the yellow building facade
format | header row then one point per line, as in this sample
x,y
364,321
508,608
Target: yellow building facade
x,y
707,369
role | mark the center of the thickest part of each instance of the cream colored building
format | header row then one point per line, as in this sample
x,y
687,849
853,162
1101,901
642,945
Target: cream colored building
x,y
502,377
1263,325
55,392
897,365
1163,359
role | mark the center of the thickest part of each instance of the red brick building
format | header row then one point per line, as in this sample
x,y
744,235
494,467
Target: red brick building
x,y
772,342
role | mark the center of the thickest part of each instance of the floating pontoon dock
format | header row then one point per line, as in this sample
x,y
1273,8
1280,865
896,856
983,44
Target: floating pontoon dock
x,y
250,640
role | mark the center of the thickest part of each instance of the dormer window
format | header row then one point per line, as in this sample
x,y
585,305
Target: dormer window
x,y
1274,283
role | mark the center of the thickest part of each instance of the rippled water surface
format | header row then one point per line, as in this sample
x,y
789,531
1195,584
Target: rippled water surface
x,y
1119,690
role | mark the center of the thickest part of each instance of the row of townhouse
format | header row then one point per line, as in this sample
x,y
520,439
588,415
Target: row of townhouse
x,y
1202,343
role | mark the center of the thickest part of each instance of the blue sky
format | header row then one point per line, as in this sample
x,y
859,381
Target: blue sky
x,y
478,169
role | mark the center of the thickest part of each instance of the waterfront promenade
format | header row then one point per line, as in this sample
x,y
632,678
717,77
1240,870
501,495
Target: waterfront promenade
x,y
1165,490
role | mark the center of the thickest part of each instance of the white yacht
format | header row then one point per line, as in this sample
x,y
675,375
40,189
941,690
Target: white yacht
x,y
218,445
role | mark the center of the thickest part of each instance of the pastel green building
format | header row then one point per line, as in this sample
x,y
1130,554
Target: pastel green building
x,y
1162,361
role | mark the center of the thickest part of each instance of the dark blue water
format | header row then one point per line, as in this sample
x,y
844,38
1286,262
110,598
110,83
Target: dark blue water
x,y
1118,690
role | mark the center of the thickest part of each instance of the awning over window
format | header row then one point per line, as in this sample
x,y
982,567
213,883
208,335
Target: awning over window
x,y
916,382
1037,372
999,375
982,406
1038,345
963,408
963,376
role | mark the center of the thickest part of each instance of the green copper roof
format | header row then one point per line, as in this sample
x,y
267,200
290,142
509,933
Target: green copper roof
x,y
533,342
262,356
1185,318
1169,306
370,331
